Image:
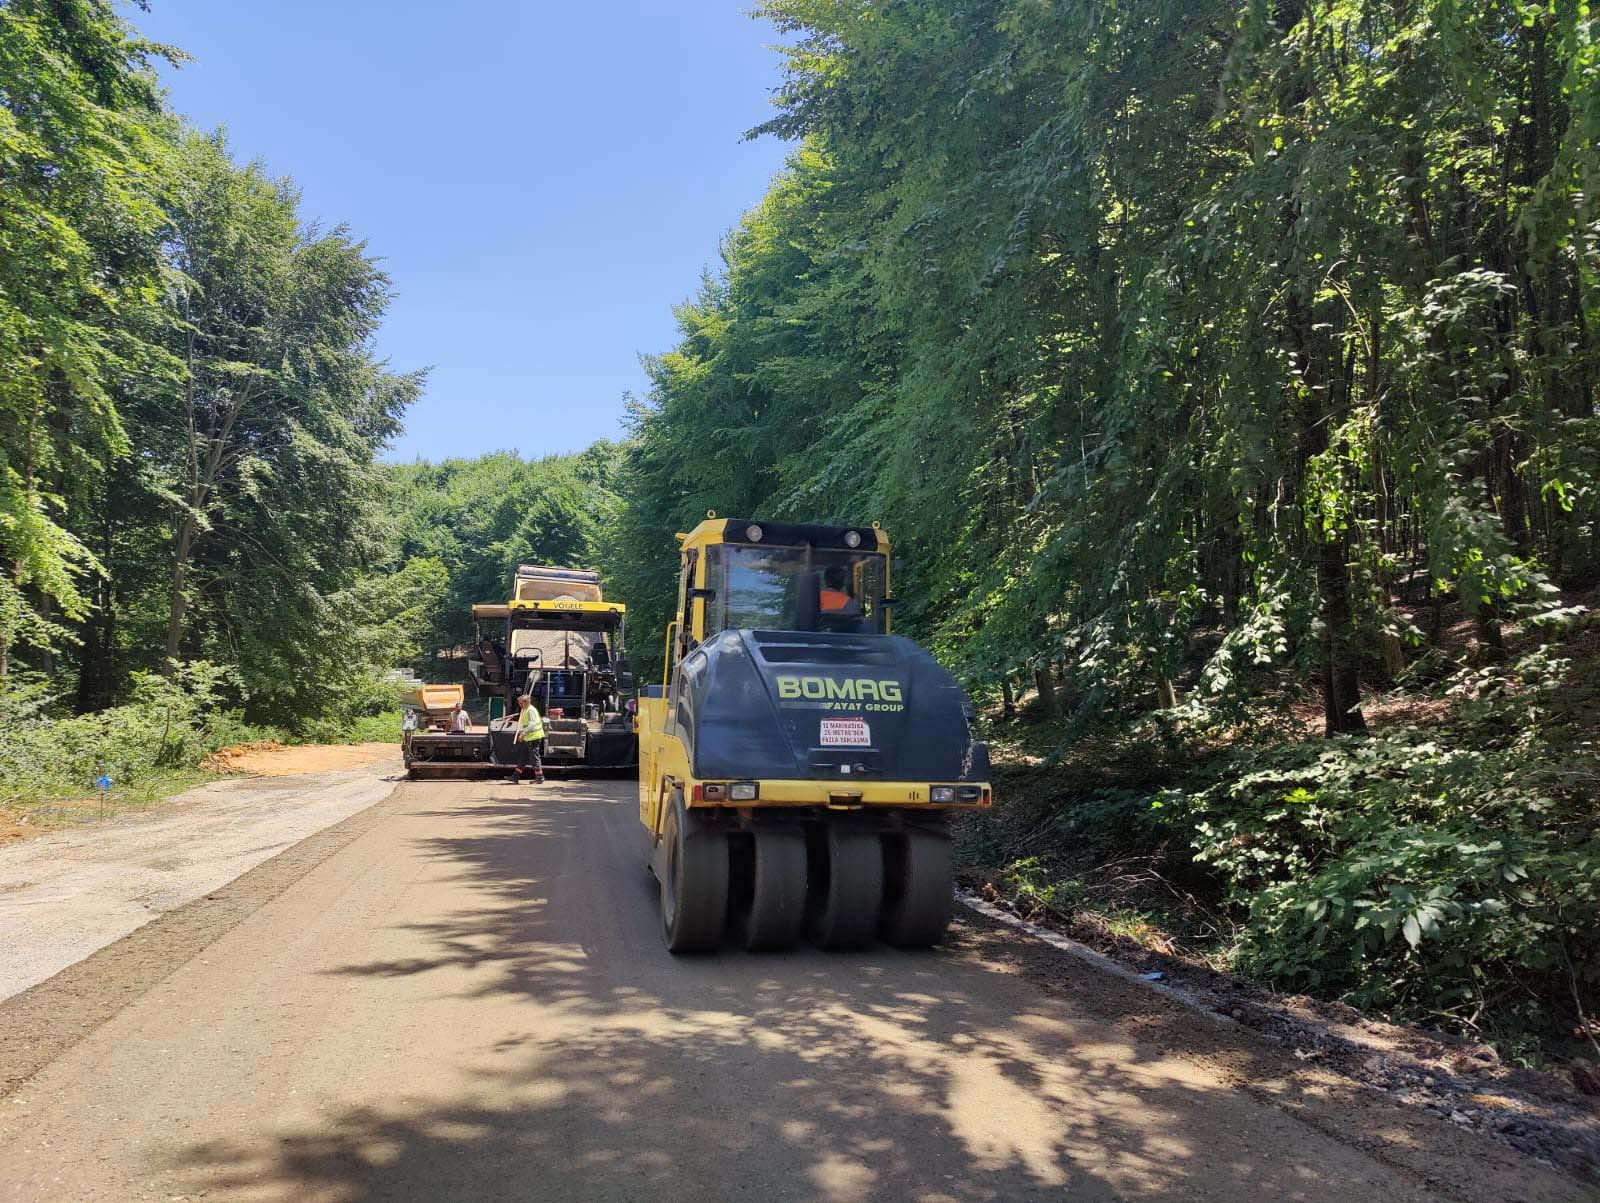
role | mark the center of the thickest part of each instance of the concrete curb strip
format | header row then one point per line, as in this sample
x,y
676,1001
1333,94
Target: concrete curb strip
x,y
1099,960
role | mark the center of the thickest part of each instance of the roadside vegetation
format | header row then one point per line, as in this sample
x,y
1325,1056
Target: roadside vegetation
x,y
195,546
479,518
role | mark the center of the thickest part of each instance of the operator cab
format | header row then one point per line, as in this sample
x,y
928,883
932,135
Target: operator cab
x,y
783,577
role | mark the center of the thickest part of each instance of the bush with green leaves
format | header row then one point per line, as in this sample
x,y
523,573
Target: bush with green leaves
x,y
1450,873
1034,883
171,723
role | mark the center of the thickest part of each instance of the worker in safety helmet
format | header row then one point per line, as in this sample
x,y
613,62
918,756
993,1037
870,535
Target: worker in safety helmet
x,y
530,738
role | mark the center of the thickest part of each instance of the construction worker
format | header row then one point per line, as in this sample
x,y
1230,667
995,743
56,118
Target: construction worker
x,y
458,719
530,737
834,599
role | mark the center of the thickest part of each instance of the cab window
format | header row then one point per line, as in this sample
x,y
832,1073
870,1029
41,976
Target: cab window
x,y
787,589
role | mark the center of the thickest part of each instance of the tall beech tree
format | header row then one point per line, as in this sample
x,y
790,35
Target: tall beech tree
x,y
281,404
79,261
190,406
1144,321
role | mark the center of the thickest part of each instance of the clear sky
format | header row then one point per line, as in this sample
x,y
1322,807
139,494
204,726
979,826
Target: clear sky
x,y
544,181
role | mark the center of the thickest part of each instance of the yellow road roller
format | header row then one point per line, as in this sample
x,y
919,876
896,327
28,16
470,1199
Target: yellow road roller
x,y
799,761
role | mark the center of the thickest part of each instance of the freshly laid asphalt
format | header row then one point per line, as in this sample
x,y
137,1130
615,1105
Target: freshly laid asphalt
x,y
462,993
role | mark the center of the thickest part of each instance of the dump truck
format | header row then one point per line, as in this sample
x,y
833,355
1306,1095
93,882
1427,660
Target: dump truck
x,y
799,762
558,640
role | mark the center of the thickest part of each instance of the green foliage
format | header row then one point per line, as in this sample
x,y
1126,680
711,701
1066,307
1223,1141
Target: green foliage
x,y
1441,873
1136,321
335,674
79,267
482,517
1194,344
1035,886
171,722
263,451
190,403
380,728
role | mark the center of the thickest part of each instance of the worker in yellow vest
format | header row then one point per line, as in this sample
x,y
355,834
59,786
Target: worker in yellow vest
x,y
530,738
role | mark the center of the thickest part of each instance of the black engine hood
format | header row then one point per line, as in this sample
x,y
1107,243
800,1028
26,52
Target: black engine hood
x,y
797,706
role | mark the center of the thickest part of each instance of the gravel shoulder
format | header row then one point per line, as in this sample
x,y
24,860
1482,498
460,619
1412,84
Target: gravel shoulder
x,y
67,894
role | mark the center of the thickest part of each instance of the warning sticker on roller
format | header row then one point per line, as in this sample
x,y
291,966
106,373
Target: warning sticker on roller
x,y
846,733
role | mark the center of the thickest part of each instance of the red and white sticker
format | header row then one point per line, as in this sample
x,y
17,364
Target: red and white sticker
x,y
846,733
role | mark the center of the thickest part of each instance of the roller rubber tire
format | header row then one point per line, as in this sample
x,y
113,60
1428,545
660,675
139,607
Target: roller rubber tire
x,y
694,887
920,892
777,908
846,888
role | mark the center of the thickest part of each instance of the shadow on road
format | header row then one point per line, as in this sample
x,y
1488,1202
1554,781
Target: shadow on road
x,y
884,1074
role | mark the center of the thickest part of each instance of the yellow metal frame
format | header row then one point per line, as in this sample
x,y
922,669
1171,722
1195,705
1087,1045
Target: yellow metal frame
x,y
566,607
484,611
843,793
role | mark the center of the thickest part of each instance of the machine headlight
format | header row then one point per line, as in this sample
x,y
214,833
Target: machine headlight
x,y
969,793
852,538
753,533
744,791
942,793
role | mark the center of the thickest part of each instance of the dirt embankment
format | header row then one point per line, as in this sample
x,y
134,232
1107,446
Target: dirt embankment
x,y
269,758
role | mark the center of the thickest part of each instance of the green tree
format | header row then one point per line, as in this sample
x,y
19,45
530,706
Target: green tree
x,y
79,266
266,442
482,517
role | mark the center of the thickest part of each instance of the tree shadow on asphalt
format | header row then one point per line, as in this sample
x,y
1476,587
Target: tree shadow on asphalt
x,y
883,1074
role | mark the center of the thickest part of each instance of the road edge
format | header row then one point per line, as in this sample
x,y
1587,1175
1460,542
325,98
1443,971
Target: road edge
x,y
1577,1166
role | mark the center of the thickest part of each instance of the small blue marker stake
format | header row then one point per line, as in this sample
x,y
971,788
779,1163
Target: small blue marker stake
x,y
103,783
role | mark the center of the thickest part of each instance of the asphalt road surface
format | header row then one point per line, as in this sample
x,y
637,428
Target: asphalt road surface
x,y
461,993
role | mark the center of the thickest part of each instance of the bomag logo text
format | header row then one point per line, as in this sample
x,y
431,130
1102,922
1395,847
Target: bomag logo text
x,y
852,693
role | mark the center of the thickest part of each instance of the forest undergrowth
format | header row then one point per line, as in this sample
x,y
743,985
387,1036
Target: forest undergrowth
x,y
1443,869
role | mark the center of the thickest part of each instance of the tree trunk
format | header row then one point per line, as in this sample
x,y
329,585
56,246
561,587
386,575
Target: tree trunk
x,y
1166,693
182,544
1490,638
5,656
47,654
1049,707
1341,670
96,684
1008,700
1394,655
1513,493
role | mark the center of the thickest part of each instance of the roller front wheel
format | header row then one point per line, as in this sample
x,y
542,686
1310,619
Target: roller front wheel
x,y
694,881
846,888
920,891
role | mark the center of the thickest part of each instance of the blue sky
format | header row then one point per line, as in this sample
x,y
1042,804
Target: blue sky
x,y
544,181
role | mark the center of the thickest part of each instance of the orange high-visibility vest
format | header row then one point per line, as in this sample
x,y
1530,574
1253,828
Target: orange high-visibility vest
x,y
833,599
